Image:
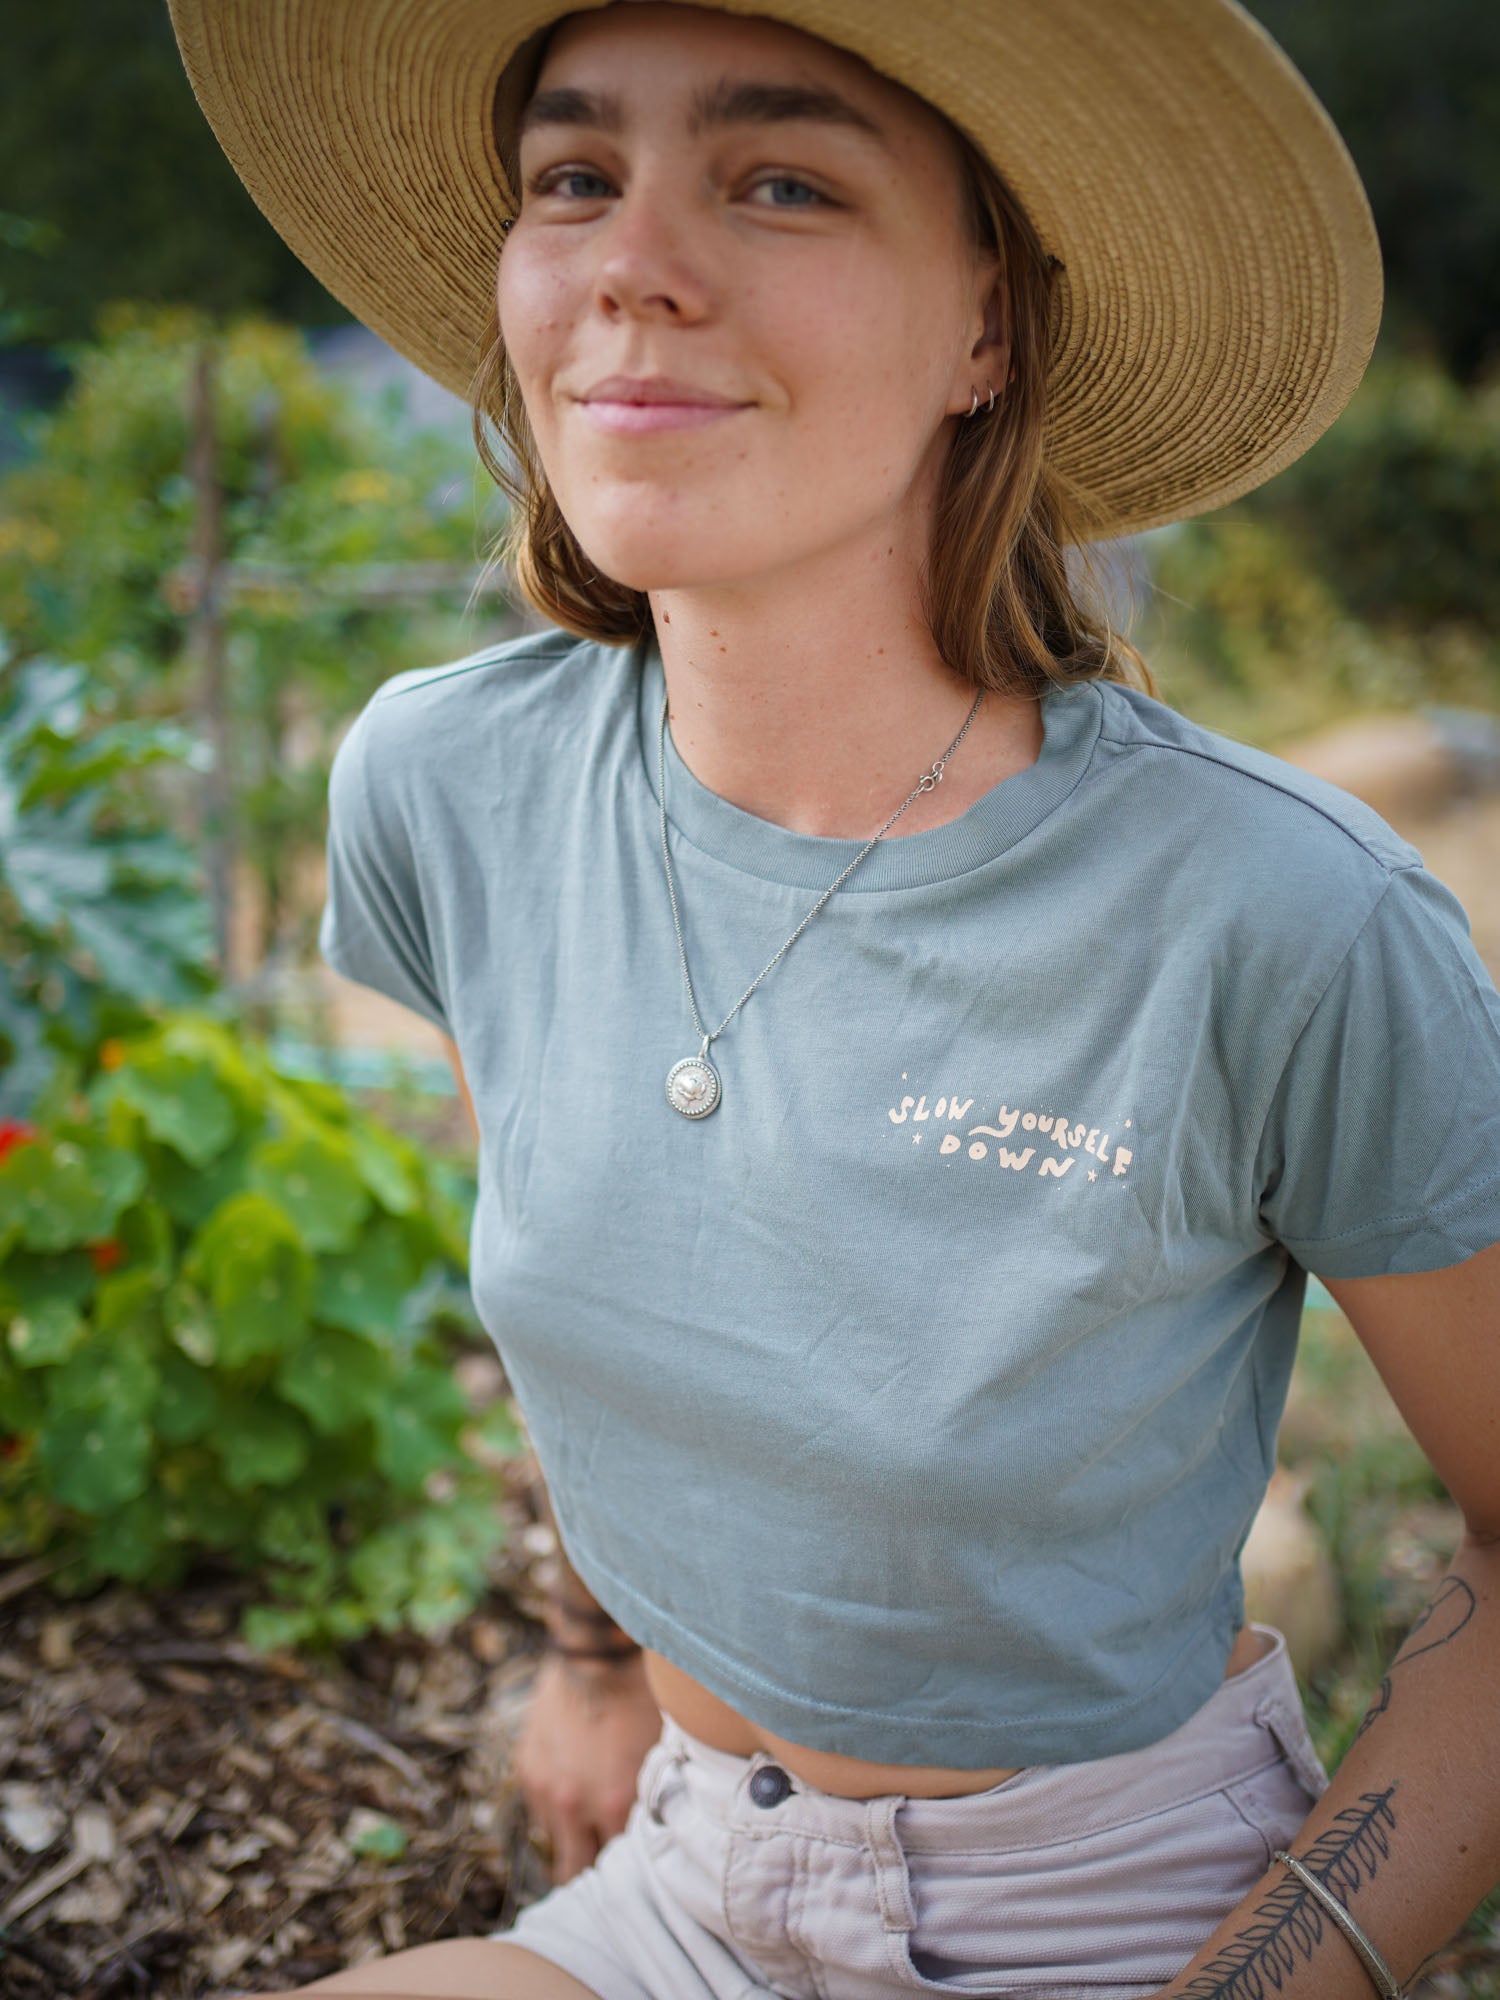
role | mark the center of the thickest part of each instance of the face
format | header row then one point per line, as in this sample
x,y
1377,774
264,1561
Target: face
x,y
740,301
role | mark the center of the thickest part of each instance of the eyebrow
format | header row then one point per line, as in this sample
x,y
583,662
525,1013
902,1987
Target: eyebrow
x,y
725,103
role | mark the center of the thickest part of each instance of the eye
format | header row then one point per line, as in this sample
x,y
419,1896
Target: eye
x,y
564,180
789,192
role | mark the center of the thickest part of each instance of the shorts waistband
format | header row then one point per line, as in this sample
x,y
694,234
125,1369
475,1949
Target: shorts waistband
x,y
1248,1722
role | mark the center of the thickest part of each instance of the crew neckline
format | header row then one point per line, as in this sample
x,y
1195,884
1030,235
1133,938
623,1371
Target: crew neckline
x,y
1071,721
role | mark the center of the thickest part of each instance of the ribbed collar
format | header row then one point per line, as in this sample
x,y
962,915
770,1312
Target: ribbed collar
x,y
1071,720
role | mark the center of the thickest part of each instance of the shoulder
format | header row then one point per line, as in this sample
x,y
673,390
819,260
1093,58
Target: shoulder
x,y
509,673
461,714
1249,802
1258,866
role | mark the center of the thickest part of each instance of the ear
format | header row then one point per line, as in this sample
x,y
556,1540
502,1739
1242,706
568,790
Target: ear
x,y
988,364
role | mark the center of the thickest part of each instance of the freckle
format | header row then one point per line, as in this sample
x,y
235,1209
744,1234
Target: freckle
x,y
723,649
666,618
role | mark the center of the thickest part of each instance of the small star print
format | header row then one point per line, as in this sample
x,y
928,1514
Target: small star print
x,y
1092,1175
1129,1121
916,1138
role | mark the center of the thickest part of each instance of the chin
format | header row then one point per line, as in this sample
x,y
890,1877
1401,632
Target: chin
x,y
639,558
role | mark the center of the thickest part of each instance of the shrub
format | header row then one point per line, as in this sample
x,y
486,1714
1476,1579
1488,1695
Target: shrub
x,y
102,917
229,1301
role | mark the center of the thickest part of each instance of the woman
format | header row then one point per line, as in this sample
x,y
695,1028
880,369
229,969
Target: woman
x,y
903,1340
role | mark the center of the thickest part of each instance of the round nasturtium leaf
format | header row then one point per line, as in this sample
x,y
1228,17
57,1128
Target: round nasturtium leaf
x,y
180,1098
417,1428
129,1302
250,1261
335,1379
388,1172
118,1374
315,1180
145,1236
29,1280
48,1332
190,1323
94,1459
68,1191
191,1194
129,1542
292,1529
364,1291
262,1444
187,1401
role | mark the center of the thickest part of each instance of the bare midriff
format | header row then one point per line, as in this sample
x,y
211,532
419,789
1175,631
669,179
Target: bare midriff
x,y
713,1721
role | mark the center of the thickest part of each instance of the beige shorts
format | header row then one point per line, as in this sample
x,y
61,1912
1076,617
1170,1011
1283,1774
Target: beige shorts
x,y
1092,1881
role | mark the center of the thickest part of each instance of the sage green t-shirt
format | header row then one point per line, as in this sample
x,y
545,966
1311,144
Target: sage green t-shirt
x,y
919,1399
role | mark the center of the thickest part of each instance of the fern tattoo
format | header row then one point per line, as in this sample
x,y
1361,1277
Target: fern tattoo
x,y
1289,1924
1442,1620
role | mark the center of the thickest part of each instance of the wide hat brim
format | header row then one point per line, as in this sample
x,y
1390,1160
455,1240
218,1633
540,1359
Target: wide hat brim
x,y
1221,281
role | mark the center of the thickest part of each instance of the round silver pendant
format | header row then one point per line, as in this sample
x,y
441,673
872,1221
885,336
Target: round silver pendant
x,y
693,1087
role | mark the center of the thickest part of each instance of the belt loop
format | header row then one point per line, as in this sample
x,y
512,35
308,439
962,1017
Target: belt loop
x,y
671,1757
891,1884
1290,1731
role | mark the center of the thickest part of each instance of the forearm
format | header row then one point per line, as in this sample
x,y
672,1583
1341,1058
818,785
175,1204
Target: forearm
x,y
575,1620
1407,1836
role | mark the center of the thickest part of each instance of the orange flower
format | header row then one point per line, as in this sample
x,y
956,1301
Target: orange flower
x,y
111,1054
15,1132
107,1253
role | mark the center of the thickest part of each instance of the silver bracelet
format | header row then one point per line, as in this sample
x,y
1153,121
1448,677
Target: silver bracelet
x,y
1374,1964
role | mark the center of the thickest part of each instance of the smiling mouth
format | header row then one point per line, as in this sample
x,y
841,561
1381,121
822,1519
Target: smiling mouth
x,y
629,416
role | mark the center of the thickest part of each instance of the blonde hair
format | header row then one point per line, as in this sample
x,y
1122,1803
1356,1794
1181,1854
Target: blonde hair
x,y
1003,608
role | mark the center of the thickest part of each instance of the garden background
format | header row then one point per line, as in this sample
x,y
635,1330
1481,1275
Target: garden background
x,y
270,1551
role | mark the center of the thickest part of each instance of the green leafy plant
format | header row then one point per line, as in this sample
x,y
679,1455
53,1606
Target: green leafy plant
x,y
347,539
229,1304
1397,503
102,917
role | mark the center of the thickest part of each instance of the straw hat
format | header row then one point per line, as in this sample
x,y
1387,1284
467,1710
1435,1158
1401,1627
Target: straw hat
x,y
1221,287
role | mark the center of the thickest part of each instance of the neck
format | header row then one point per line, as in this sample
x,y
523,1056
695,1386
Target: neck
x,y
818,699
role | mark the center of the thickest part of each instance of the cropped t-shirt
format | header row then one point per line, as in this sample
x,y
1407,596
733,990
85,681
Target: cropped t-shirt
x,y
919,1399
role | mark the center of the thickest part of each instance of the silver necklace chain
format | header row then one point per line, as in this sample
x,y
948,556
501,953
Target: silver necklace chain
x,y
693,1085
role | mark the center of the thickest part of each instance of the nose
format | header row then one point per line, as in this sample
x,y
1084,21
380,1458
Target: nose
x,y
647,267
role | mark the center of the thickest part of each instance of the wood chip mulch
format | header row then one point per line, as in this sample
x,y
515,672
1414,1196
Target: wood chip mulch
x,y
182,1818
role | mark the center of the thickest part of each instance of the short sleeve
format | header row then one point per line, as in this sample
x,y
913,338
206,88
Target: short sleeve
x,y
373,929
1381,1150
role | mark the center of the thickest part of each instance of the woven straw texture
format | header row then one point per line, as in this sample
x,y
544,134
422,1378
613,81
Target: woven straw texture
x,y
1221,287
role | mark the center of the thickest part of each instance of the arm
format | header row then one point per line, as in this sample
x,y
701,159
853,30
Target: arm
x,y
1407,1836
589,1722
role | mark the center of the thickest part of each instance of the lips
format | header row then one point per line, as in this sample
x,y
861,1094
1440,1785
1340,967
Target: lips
x,y
657,389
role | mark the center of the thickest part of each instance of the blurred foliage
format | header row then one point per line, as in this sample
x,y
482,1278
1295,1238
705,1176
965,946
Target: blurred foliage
x,y
96,540
1364,577
101,140
1398,505
102,918
1415,91
231,1306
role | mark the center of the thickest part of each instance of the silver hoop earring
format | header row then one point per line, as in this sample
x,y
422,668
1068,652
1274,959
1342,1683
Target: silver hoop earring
x,y
975,404
991,404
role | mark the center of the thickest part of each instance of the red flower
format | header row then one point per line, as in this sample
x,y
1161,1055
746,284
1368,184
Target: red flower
x,y
15,1132
107,1254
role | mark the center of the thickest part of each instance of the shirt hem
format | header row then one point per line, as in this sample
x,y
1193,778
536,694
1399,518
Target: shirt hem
x,y
844,1730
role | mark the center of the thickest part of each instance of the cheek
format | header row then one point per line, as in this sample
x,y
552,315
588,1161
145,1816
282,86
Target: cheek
x,y
536,318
